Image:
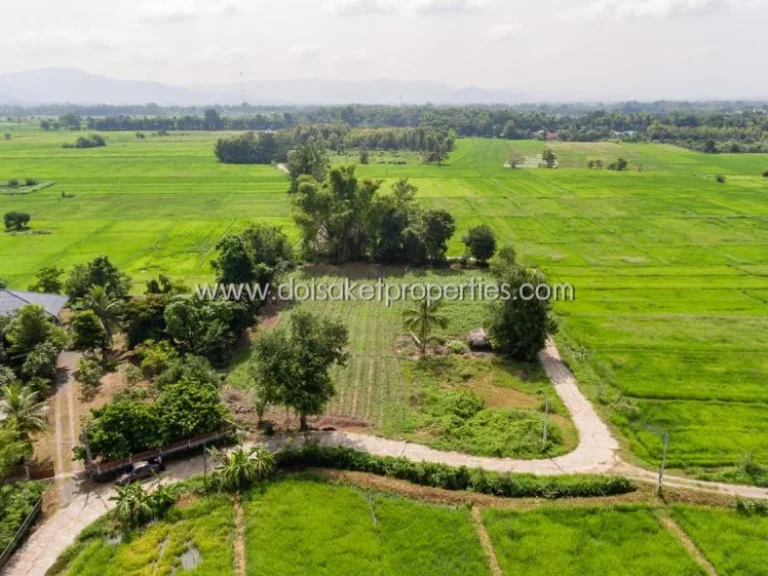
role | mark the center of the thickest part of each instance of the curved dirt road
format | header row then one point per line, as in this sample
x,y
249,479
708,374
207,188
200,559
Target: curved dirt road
x,y
596,453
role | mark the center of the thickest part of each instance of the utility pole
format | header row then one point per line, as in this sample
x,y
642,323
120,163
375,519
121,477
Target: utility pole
x,y
663,461
242,90
546,414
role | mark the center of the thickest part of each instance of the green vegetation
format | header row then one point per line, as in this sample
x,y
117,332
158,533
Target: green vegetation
x,y
202,528
658,336
450,478
576,541
733,543
302,527
16,503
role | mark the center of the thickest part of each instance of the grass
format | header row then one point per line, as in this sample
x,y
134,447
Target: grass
x,y
734,544
667,333
302,527
206,525
575,541
386,385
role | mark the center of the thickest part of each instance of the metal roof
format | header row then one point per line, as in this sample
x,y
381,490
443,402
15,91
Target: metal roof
x,y
12,300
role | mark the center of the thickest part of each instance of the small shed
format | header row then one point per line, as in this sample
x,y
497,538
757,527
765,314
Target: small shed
x,y
478,339
12,300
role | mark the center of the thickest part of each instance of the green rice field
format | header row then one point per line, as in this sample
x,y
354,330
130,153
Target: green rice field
x,y
668,333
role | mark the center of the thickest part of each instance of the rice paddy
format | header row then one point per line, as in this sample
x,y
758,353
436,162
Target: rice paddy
x,y
668,330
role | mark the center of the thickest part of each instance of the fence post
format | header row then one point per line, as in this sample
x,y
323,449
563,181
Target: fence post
x,y
546,414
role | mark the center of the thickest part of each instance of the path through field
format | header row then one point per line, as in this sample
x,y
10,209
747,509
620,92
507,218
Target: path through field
x,y
597,453
65,426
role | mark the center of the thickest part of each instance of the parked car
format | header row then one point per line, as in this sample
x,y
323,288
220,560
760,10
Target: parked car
x,y
141,470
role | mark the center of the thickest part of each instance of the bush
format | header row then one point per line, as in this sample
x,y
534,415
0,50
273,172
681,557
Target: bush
x,y
16,503
457,347
765,174
156,357
462,478
89,373
31,182
720,178
16,220
132,374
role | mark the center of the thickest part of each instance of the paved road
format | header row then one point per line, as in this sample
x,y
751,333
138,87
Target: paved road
x,y
596,453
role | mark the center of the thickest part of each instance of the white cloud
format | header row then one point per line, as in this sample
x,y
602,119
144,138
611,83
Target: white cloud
x,y
502,31
448,6
180,10
659,9
360,7
60,39
306,50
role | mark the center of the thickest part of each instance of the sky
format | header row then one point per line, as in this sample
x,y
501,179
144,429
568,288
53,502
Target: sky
x,y
598,49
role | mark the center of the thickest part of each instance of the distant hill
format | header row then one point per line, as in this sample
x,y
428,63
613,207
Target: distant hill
x,y
72,86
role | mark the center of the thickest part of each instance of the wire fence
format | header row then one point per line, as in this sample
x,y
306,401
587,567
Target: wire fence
x,y
21,533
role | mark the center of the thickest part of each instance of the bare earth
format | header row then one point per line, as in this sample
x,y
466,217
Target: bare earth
x,y
596,453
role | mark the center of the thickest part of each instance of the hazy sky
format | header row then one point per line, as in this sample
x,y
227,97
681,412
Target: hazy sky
x,y
580,48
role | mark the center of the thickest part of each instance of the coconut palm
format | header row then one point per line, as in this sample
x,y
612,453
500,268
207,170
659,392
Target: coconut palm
x,y
242,467
422,318
107,308
21,407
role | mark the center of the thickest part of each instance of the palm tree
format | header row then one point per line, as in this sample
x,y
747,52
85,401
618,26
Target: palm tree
x,y
242,468
133,504
21,407
107,308
423,317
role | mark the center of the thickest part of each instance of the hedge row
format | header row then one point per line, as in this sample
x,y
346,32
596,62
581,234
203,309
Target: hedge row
x,y
450,478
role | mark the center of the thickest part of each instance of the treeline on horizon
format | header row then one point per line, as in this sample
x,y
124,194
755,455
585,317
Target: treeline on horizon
x,y
708,127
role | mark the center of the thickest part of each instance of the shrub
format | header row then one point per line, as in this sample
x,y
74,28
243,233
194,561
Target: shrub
x,y
30,182
156,357
13,183
457,347
132,374
16,220
450,478
765,174
720,178
89,373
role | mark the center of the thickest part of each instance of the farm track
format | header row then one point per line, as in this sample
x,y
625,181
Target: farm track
x,y
596,453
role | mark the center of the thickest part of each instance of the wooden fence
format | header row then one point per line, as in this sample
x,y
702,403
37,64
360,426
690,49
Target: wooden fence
x,y
32,471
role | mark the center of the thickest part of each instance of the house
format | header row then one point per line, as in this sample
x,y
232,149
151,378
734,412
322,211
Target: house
x,y
12,300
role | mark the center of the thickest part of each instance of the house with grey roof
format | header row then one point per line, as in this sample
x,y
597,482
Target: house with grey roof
x,y
12,300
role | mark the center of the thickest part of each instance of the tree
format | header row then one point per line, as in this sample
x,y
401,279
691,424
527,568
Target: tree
x,y
189,368
31,326
48,280
212,120
88,333
89,374
422,318
187,409
206,328
13,449
549,158
41,361
22,409
392,215
710,147
16,220
297,362
335,217
310,159
249,149
99,272
242,468
107,308
156,357
514,159
480,242
439,226
519,326
621,164
365,157
144,319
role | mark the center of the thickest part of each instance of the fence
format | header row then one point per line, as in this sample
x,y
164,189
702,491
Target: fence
x,y
21,532
103,470
34,471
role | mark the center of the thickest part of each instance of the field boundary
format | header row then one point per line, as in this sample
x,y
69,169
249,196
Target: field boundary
x,y
485,540
674,528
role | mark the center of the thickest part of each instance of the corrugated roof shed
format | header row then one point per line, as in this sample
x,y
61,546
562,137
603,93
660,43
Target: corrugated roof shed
x,y
12,300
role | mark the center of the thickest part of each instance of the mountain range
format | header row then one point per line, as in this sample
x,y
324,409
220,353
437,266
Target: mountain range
x,y
73,86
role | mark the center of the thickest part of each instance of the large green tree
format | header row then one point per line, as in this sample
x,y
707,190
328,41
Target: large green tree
x,y
296,362
308,159
99,272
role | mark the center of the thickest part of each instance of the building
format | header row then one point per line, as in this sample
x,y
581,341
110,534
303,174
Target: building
x,y
12,300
